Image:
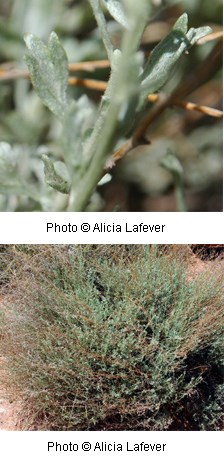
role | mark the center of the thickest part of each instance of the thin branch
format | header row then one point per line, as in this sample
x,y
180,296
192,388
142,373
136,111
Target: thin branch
x,y
162,103
88,83
13,74
204,109
8,72
101,86
199,108
89,65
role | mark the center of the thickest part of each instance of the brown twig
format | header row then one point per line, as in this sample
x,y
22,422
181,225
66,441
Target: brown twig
x,y
97,85
12,74
190,106
199,108
101,86
89,66
7,72
162,103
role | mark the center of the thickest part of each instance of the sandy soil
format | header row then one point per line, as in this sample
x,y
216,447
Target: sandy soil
x,y
9,408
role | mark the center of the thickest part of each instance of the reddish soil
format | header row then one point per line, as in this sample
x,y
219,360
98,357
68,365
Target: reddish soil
x,y
197,266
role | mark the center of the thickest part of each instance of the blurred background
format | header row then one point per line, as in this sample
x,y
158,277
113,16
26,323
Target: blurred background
x,y
139,182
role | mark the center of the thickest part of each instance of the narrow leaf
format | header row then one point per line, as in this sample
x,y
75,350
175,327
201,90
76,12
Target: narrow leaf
x,y
102,24
163,58
161,62
181,24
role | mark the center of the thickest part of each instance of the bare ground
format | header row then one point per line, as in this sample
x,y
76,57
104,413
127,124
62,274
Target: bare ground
x,y
9,408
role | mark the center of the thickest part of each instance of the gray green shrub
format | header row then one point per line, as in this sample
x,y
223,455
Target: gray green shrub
x,y
114,338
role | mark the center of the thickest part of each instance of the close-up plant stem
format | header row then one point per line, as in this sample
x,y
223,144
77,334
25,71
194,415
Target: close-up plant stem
x,y
123,108
116,96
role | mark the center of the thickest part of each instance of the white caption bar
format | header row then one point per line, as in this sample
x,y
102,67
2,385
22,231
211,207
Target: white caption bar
x,y
111,448
110,228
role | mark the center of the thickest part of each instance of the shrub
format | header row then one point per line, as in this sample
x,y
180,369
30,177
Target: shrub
x,y
114,338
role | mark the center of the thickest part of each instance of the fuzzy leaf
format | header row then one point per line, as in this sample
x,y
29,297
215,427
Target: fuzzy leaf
x,y
48,66
116,10
181,24
166,54
52,177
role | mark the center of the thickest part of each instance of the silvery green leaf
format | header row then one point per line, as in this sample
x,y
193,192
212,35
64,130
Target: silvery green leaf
x,y
102,25
181,24
48,67
165,55
116,10
161,62
53,178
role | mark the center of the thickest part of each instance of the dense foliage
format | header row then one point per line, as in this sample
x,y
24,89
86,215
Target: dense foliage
x,y
113,337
